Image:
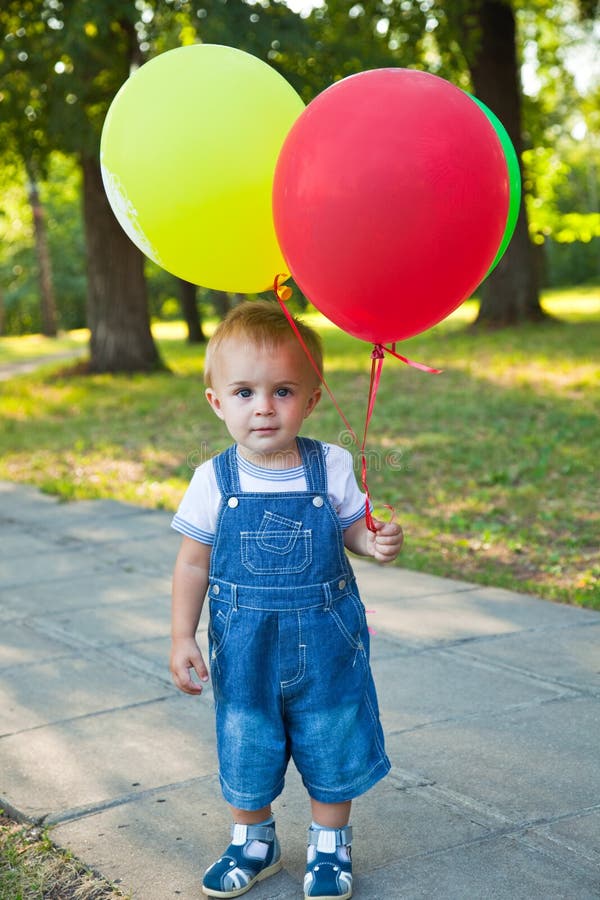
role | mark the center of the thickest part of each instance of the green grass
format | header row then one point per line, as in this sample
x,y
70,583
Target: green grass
x,y
491,466
33,346
32,868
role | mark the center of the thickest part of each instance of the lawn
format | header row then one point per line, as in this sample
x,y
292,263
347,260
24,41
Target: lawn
x,y
32,868
490,466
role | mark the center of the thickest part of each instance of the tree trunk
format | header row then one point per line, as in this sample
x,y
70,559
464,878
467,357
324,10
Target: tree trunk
x,y
47,300
221,302
511,293
117,303
191,314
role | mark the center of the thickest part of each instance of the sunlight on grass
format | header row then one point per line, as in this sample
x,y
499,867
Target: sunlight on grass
x,y
31,346
491,466
32,867
575,305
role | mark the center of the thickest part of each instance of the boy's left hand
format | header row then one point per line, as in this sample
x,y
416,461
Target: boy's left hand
x,y
385,544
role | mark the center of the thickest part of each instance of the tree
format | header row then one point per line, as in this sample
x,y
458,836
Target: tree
x,y
22,135
562,122
98,47
67,82
72,58
48,302
476,45
189,307
511,293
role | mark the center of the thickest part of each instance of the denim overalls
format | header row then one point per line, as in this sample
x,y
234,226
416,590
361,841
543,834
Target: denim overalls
x,y
289,644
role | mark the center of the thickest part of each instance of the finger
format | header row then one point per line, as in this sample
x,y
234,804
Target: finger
x,y
183,680
387,554
193,689
201,670
392,540
388,528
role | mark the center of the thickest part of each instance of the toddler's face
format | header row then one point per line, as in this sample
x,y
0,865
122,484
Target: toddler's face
x,y
263,394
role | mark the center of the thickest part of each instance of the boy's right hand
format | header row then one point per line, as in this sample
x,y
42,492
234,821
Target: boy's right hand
x,y
185,656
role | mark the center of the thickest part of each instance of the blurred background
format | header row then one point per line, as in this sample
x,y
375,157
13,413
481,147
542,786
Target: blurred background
x,y
64,264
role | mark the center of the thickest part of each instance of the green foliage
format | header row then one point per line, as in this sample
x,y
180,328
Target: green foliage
x,y
572,263
61,64
18,265
555,189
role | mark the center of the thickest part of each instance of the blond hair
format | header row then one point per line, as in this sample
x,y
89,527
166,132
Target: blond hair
x,y
262,322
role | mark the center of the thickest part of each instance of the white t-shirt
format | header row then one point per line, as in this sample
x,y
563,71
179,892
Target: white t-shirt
x,y
197,513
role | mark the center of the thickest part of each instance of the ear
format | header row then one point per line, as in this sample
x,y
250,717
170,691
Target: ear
x,y
214,402
312,402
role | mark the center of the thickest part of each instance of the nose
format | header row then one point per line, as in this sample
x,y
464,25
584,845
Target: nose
x,y
264,406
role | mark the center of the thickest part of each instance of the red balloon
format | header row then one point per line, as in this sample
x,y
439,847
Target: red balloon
x,y
390,200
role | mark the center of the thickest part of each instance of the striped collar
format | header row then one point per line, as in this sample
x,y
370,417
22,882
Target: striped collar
x,y
263,474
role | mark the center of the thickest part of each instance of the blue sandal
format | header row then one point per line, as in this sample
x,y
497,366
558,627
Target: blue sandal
x,y
329,864
244,862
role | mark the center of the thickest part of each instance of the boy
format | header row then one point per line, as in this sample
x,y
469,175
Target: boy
x,y
265,525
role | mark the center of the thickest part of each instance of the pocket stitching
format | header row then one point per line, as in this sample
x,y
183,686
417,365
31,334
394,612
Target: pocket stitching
x,y
354,644
217,645
245,545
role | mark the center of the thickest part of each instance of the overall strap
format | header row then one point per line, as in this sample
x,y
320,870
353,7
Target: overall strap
x,y
313,459
226,472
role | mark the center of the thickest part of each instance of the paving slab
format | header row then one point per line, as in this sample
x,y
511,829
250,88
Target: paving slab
x,y
183,830
398,821
568,655
412,584
438,686
21,499
132,525
114,624
48,566
22,645
489,701
450,616
96,759
530,764
163,842
500,869
86,589
17,544
578,836
152,555
33,696
30,506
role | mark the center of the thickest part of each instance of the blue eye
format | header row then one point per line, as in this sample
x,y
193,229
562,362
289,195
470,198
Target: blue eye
x,y
282,392
245,393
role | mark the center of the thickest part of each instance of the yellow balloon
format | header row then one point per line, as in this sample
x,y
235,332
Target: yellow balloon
x,y
188,153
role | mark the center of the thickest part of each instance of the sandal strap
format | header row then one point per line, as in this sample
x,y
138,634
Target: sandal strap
x,y
243,833
343,836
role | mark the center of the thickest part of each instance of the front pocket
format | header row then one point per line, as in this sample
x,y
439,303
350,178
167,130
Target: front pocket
x,y
280,547
218,625
348,613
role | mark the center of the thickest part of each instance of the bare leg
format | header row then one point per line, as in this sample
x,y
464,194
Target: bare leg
x,y
250,817
331,815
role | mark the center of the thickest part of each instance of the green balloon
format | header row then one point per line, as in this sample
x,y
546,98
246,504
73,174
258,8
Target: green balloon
x,y
514,180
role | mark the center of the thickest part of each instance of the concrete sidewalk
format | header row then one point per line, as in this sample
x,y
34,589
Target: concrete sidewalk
x,y
490,703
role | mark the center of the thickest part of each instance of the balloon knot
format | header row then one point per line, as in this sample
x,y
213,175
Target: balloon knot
x,y
377,352
282,292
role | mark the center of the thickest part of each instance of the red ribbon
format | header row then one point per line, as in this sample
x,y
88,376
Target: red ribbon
x,y
377,358
282,297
